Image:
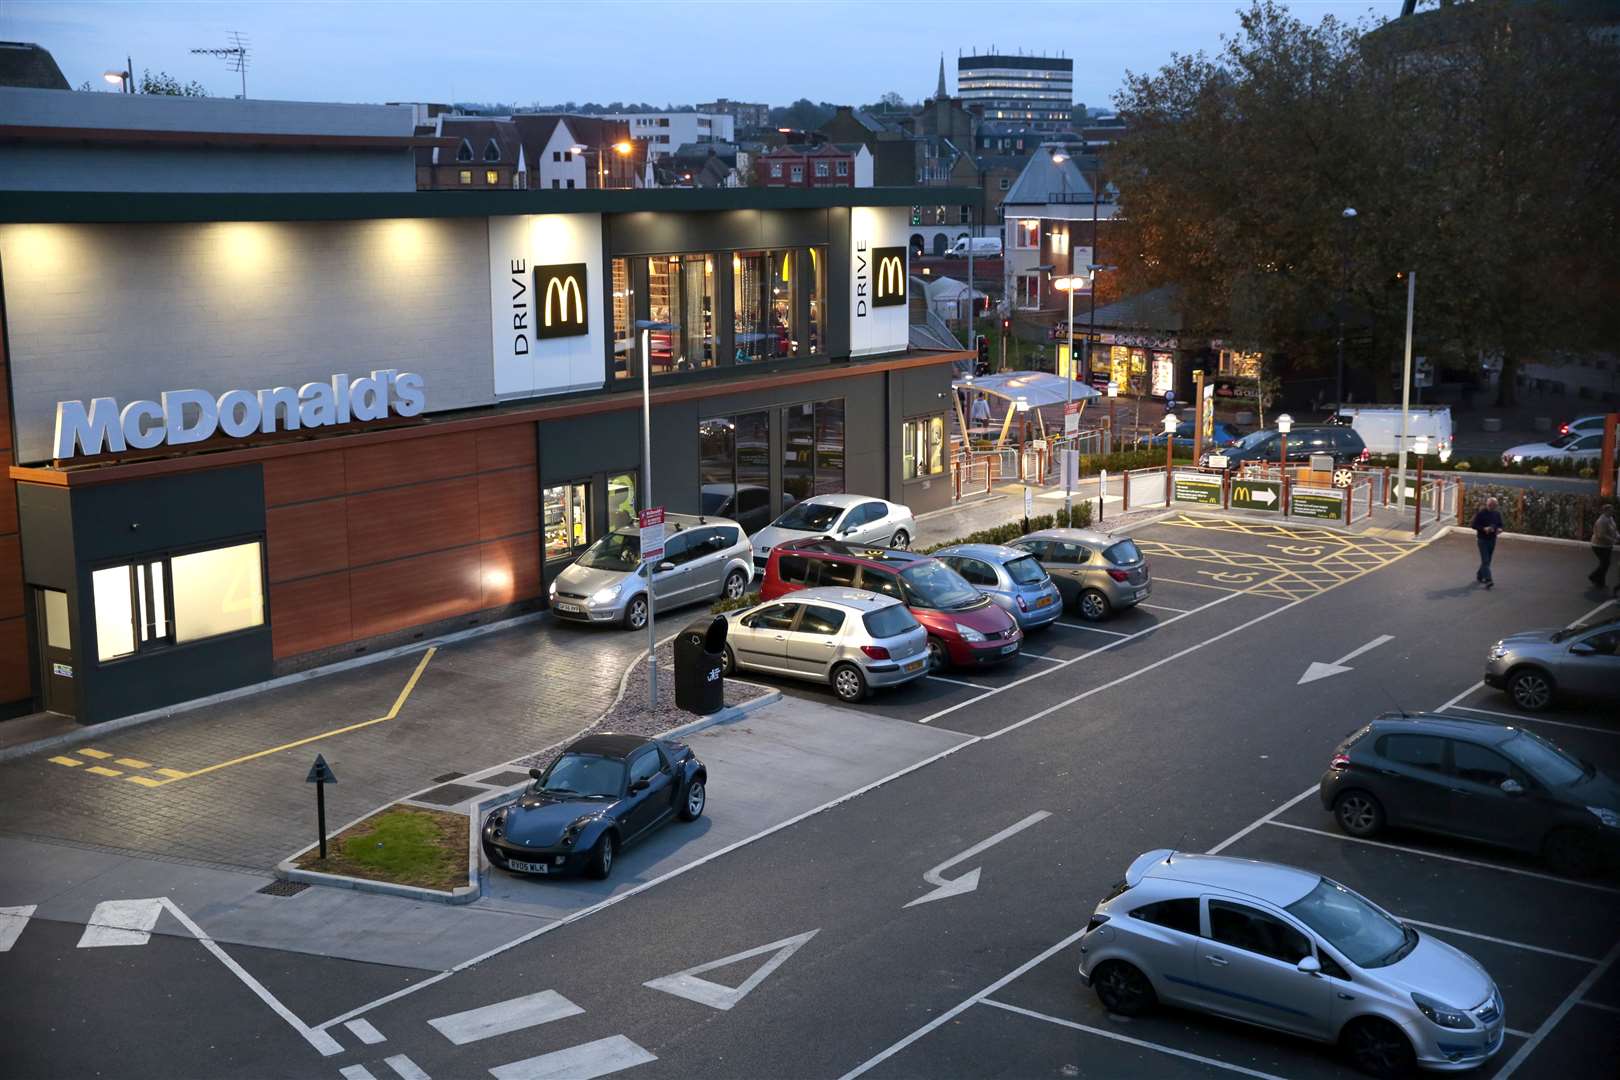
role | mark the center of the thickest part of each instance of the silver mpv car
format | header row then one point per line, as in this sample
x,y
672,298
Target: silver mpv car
x,y
852,639
1097,572
704,558
1539,666
1010,576
1291,950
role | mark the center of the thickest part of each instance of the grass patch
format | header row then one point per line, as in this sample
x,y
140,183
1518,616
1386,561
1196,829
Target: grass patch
x,y
402,845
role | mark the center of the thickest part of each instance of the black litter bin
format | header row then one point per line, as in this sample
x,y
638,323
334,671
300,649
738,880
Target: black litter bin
x,y
700,684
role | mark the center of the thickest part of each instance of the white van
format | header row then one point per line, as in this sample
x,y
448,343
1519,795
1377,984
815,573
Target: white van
x,y
1380,426
981,245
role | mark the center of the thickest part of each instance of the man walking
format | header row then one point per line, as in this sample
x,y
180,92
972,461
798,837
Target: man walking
x,y
1604,536
1487,523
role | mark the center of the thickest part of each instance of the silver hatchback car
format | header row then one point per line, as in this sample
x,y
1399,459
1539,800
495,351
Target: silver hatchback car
x,y
1010,576
704,558
1097,573
851,639
1291,950
1538,666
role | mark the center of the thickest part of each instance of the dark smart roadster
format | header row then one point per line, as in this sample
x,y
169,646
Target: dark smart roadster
x,y
603,793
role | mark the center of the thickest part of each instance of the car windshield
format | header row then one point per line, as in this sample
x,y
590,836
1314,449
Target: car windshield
x,y
1576,629
616,551
809,517
1364,935
583,774
1564,440
889,622
1026,570
1542,760
1254,439
933,584
1124,553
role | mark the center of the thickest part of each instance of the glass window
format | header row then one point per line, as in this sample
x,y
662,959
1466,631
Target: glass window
x,y
115,612
775,617
922,447
664,347
217,592
1180,914
881,581
793,569
1124,553
621,494
616,551
1029,233
783,339
1027,291
567,519
646,766
491,177
890,621
57,633
1026,571
1419,751
1254,931
843,168
1478,765
624,333
798,172
583,774
976,572
821,168
932,584
817,286
754,451
466,176
820,620
749,270
697,313
776,168
798,452
1549,764
829,478
717,450
1366,936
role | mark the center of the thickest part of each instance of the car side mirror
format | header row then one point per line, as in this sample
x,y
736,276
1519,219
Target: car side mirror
x,y
534,774
638,785
1583,648
665,566
846,530
1309,965
1512,787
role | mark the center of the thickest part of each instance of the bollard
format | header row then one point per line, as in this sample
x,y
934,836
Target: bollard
x,y
321,774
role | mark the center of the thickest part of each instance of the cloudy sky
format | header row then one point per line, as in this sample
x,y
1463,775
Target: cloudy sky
x,y
603,50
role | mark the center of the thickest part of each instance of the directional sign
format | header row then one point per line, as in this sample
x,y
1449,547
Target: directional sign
x,y
1265,495
966,883
1197,488
1329,506
320,772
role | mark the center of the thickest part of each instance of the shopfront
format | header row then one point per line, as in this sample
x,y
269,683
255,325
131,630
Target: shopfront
x,y
332,436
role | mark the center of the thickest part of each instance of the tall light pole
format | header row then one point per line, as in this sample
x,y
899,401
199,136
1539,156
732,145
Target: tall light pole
x,y
1406,391
1068,283
124,80
646,498
1349,219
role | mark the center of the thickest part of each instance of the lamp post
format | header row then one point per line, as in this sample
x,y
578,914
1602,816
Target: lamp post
x,y
622,148
1285,424
646,329
1113,392
124,80
1170,425
1349,219
1068,283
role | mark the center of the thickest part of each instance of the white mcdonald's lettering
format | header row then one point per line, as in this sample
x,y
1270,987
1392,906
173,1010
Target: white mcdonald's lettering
x,y
891,276
562,289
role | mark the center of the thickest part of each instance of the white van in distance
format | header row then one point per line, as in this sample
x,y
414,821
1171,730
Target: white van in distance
x,y
980,245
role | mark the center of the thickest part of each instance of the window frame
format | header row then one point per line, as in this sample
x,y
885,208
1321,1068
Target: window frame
x,y
166,556
1250,911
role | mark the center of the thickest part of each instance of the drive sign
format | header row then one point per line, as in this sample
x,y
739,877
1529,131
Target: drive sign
x,y
652,534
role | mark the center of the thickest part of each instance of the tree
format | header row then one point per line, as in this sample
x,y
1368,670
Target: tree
x,y
802,115
169,86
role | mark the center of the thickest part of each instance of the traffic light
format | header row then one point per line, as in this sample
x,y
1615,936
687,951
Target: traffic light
x,y
984,349
1006,325
916,215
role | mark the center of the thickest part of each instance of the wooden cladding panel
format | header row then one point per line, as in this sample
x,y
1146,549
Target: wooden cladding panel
x,y
504,447
508,502
385,525
11,583
8,505
511,569
310,614
303,477
15,684
412,461
411,592
307,539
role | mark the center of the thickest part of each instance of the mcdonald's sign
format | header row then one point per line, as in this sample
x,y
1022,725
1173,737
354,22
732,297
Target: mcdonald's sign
x,y
560,294
888,276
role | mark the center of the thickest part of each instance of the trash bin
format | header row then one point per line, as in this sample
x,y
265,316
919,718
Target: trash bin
x,y
700,685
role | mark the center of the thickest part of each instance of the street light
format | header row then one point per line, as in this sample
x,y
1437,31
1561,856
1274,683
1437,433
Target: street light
x,y
1113,392
1068,283
1170,425
1285,424
1349,217
121,79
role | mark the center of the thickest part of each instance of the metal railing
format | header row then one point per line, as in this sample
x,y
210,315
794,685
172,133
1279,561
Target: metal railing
x,y
969,477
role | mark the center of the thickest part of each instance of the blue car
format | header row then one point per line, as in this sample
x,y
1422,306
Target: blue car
x,y
1223,435
1013,578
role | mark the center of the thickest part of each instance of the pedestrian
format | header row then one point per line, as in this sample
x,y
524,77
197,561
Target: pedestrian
x,y
981,411
1604,536
1487,523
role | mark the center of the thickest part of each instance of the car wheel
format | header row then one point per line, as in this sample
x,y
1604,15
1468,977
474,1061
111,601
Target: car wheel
x,y
939,658
697,797
1531,689
635,613
1358,813
1343,476
1123,989
1094,606
601,864
1573,852
736,585
728,661
848,683
1379,1048
901,541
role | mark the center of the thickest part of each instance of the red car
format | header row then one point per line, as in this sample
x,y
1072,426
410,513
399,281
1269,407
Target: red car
x,y
965,629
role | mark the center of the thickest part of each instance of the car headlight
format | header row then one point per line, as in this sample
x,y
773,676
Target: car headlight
x,y
605,595
1605,815
1443,1015
968,633
1518,459
1498,651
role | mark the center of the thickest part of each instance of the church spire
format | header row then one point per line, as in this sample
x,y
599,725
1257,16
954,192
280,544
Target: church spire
x,y
941,94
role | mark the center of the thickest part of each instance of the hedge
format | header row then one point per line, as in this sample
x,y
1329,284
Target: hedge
x,y
1566,515
1491,463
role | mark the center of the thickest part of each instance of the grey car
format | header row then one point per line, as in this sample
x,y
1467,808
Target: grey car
x,y
852,519
1097,573
1291,950
1010,576
1539,666
850,639
704,558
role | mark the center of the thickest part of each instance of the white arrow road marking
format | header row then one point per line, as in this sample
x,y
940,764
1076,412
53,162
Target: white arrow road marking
x,y
970,880
505,1017
1319,670
12,922
686,984
121,922
365,1032
586,1061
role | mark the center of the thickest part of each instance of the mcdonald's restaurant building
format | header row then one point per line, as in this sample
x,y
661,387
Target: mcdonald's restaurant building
x,y
252,434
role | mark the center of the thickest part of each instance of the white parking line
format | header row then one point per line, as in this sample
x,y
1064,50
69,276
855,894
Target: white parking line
x,y
1043,656
1163,607
1093,629
1259,821
956,682
1535,719
1460,696
1559,1013
405,1068
1448,858
1501,941
1516,1032
365,1032
1590,1004
1117,1037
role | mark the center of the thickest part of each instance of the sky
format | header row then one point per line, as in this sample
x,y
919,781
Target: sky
x,y
659,51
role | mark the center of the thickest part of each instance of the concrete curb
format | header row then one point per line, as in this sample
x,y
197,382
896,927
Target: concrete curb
x,y
1521,536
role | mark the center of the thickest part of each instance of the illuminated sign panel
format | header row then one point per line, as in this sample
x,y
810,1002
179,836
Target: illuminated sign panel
x,y
560,301
888,276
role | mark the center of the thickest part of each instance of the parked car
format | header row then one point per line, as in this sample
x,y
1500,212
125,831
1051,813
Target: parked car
x,y
1292,950
1011,577
1097,573
1478,780
1583,425
858,519
704,558
1342,443
851,639
749,505
1573,446
965,629
1221,434
603,793
1537,667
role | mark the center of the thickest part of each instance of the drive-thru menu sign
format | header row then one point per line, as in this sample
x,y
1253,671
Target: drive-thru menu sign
x,y
1197,488
651,521
1327,505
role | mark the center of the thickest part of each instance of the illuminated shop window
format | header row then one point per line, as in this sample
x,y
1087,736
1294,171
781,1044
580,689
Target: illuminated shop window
x,y
177,599
567,519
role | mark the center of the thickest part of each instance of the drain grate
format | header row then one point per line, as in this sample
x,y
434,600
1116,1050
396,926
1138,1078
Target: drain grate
x,y
448,776
284,888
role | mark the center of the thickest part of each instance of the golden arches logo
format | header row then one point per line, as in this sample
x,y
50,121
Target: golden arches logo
x,y
562,289
891,276
560,296
888,276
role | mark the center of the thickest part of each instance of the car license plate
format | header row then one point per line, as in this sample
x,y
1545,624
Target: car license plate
x,y
1217,461
1012,648
1140,593
1044,601
568,607
915,665
529,867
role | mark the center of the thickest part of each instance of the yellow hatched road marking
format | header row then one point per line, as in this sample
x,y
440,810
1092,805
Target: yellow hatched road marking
x,y
99,771
134,763
87,752
146,781
69,762
172,774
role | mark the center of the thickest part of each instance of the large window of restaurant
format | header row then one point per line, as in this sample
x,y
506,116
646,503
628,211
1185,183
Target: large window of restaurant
x,y
568,518
734,454
624,333
176,599
812,450
922,447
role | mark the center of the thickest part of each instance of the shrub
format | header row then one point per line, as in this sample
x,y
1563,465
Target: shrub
x,y
745,600
1566,515
1079,517
1463,466
1540,470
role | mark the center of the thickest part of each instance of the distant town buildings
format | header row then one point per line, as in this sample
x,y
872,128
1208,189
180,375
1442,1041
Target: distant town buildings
x,y
666,131
527,150
1032,91
822,165
748,116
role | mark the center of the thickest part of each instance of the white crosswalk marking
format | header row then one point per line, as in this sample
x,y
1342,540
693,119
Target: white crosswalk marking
x,y
356,1072
364,1031
12,921
405,1067
586,1061
504,1017
121,922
